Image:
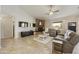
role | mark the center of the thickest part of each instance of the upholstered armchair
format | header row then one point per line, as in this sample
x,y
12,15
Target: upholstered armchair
x,y
52,32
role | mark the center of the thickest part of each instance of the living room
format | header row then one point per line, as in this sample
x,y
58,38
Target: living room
x,y
21,24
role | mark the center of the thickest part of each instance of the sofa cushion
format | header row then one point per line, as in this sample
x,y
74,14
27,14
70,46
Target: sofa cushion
x,y
67,47
72,34
66,35
74,40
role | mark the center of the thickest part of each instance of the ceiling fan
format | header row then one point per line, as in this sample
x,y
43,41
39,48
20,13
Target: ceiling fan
x,y
52,10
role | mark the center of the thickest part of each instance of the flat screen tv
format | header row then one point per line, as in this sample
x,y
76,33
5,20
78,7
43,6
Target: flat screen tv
x,y
23,24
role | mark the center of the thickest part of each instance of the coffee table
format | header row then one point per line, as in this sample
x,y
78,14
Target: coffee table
x,y
46,40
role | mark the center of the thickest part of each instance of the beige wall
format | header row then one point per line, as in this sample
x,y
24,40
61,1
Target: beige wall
x,y
65,21
18,15
6,27
0,32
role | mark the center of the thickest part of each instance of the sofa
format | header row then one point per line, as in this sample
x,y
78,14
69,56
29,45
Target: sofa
x,y
26,33
70,43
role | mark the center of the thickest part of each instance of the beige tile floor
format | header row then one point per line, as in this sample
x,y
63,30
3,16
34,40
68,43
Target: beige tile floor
x,y
24,45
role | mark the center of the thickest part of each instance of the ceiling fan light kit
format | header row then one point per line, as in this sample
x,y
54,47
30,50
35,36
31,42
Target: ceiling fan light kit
x,y
52,10
50,13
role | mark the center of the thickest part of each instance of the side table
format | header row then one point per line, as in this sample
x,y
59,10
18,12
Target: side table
x,y
58,45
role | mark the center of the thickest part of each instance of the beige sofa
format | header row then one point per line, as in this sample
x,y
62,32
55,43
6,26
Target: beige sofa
x,y
70,43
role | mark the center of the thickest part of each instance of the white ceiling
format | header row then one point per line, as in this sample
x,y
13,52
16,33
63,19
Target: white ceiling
x,y
39,11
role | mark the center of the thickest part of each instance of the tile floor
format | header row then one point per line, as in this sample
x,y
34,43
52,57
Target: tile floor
x,y
24,45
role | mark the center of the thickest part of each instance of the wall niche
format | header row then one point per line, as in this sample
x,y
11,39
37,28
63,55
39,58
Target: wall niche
x,y
40,25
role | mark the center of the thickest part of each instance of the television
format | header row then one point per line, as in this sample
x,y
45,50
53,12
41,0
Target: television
x,y
23,24
72,26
